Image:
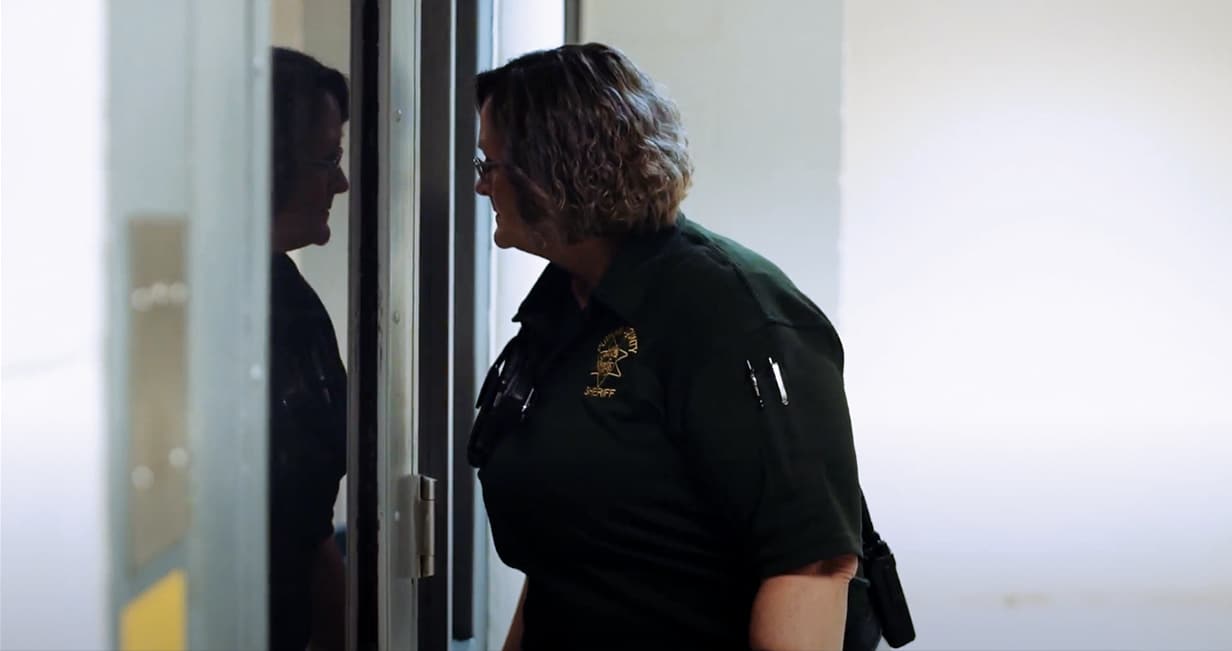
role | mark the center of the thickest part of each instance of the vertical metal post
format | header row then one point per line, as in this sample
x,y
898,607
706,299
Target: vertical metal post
x,y
434,325
398,394
228,284
369,38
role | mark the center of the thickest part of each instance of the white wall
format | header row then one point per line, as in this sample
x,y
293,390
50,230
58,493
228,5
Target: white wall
x,y
758,87
1030,280
53,554
1036,299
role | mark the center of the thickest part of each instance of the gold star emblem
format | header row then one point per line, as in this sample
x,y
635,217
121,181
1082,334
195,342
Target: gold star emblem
x,y
608,364
617,346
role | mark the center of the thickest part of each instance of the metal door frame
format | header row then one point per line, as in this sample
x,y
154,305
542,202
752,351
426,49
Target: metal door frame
x,y
399,434
384,355
419,316
366,298
434,323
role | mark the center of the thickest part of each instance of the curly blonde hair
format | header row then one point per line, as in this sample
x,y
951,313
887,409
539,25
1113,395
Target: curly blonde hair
x,y
595,148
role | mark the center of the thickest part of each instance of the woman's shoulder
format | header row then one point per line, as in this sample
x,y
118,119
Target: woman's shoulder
x,y
721,287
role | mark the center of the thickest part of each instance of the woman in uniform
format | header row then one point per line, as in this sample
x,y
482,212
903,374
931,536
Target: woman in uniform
x,y
664,448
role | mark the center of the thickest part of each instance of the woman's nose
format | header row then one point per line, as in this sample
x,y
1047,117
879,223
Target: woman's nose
x,y
481,186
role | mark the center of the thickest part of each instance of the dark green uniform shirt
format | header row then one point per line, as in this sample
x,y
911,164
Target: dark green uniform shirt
x,y
648,491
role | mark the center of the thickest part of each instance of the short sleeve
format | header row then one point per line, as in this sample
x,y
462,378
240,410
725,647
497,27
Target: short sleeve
x,y
782,476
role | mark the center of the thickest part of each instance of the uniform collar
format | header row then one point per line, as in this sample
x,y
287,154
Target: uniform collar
x,y
634,270
546,299
623,286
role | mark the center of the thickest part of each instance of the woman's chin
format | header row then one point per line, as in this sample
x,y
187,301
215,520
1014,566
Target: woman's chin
x,y
501,238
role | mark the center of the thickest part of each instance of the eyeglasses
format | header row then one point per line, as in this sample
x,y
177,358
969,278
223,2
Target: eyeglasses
x,y
482,167
328,164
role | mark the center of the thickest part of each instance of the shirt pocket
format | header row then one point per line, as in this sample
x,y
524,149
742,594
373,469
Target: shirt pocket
x,y
622,393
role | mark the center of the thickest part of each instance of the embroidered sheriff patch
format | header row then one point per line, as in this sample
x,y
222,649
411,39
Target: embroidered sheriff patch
x,y
617,346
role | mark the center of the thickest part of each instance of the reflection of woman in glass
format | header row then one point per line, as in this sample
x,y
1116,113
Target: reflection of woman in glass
x,y
307,412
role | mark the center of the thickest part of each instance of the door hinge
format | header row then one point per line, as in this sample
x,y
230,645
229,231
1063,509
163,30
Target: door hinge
x,y
416,520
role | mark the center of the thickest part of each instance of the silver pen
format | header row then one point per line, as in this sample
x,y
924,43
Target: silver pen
x,y
756,389
778,379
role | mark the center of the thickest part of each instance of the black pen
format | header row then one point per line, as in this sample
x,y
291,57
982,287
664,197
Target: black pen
x,y
756,389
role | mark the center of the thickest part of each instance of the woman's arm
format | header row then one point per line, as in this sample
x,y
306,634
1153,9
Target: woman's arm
x,y
783,473
513,641
804,610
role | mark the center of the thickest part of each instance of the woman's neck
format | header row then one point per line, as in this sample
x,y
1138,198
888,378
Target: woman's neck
x,y
586,261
